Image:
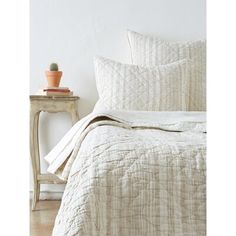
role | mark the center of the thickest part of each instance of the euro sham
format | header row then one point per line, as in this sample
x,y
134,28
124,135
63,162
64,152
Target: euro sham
x,y
152,51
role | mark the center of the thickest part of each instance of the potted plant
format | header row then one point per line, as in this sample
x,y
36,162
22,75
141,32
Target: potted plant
x,y
53,75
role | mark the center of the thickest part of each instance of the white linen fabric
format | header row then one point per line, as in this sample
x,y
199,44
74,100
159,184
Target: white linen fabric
x,y
130,87
133,173
152,51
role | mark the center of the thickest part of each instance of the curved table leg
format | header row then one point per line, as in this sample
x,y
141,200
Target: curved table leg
x,y
34,153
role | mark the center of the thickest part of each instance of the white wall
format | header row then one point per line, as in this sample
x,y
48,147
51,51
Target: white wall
x,y
71,32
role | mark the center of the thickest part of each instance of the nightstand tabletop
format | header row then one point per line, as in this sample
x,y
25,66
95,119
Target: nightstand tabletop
x,y
43,97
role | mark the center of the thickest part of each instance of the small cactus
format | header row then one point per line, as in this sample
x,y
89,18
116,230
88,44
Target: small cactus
x,y
54,67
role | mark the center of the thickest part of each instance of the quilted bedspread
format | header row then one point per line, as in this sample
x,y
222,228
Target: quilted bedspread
x,y
133,173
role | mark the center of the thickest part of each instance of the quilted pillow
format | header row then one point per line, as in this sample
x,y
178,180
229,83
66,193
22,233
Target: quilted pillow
x,y
131,87
151,51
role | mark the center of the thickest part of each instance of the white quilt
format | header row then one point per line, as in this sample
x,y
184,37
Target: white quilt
x,y
133,173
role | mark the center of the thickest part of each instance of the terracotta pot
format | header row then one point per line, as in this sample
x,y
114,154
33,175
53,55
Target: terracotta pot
x,y
53,78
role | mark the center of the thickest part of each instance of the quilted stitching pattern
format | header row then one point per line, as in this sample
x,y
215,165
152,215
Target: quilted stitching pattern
x,y
151,51
130,87
136,182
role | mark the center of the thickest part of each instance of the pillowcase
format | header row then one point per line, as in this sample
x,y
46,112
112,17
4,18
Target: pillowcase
x,y
131,87
151,51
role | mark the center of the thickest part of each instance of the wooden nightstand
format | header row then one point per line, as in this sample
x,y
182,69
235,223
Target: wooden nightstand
x,y
46,104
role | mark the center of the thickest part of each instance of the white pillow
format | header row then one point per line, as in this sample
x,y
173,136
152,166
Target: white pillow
x,y
151,51
130,87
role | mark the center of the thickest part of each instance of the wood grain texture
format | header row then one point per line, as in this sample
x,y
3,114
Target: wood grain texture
x,y
42,220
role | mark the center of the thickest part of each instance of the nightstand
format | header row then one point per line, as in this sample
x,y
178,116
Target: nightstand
x,y
46,104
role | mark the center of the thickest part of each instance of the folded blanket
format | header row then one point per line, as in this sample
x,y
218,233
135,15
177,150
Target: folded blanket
x,y
62,156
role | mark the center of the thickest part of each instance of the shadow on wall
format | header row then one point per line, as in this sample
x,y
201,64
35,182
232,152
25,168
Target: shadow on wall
x,y
86,106
82,88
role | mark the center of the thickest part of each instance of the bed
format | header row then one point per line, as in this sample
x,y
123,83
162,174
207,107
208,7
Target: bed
x,y
136,164
133,173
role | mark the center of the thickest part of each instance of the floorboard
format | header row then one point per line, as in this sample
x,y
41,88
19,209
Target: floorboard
x,y
42,219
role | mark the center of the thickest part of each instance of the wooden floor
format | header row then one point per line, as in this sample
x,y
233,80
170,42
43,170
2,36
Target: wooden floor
x,y
42,219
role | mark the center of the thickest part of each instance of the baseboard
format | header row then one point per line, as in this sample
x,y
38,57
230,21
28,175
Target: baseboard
x,y
48,195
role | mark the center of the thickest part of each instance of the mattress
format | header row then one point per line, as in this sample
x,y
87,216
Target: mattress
x,y
133,173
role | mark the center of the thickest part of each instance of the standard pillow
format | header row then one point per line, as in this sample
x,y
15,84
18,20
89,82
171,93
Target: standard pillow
x,y
131,87
151,51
